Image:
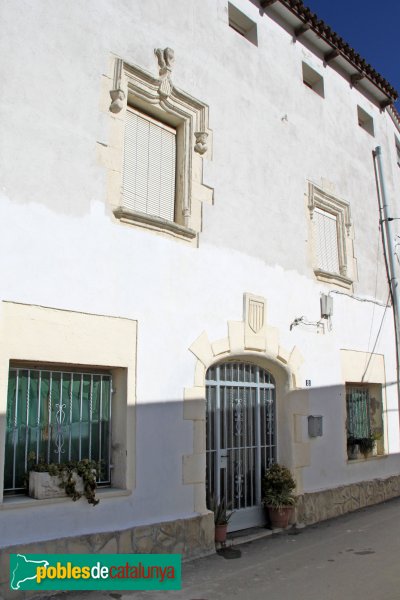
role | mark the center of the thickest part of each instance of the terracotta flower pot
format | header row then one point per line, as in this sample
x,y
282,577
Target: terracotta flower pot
x,y
279,517
220,533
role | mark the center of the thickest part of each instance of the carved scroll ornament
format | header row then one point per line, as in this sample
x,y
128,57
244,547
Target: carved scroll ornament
x,y
166,60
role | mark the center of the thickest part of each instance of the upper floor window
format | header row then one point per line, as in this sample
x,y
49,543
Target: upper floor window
x,y
330,234
365,120
242,24
326,241
149,166
397,151
313,80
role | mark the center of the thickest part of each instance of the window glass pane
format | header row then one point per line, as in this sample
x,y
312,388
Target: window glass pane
x,y
11,431
21,433
96,397
85,397
75,398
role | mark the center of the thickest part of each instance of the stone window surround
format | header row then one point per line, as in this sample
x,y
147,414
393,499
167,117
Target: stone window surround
x,y
318,198
150,95
353,367
83,346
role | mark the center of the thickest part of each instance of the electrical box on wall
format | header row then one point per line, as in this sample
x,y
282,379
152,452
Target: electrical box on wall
x,y
326,306
315,425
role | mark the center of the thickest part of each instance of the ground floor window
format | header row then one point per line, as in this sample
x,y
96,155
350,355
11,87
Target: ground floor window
x,y
364,420
56,416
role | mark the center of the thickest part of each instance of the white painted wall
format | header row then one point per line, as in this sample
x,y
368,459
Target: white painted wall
x,y
62,248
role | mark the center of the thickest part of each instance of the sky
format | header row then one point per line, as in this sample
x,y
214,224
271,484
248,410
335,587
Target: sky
x,y
371,27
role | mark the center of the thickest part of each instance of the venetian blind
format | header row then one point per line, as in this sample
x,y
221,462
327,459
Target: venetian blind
x,y
326,241
149,166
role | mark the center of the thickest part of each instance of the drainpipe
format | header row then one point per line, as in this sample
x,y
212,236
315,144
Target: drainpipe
x,y
386,223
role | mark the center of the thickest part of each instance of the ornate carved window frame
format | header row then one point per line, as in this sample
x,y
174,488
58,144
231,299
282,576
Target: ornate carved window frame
x,y
160,99
318,198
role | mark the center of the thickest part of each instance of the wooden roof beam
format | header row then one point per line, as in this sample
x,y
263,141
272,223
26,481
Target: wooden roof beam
x,y
356,78
301,30
386,103
266,3
330,56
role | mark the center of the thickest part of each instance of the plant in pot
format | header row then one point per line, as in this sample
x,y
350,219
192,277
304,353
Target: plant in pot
x,y
379,446
73,478
221,519
353,448
278,487
366,445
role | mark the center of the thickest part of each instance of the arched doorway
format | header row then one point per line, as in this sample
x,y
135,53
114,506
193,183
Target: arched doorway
x,y
241,438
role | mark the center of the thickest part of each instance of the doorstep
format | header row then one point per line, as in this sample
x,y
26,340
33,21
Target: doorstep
x,y
249,535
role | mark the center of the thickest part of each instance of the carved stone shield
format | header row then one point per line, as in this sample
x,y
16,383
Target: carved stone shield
x,y
256,315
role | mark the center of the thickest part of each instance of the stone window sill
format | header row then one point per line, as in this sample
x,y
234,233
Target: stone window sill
x,y
334,278
155,223
22,501
357,461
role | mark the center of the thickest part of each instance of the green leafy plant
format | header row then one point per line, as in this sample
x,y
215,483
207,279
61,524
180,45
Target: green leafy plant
x,y
221,515
351,441
366,444
278,486
67,474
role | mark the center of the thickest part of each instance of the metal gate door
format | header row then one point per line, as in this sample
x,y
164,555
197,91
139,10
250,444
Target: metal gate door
x,y
241,444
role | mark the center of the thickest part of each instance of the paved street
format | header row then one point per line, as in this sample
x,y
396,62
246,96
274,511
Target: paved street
x,y
355,556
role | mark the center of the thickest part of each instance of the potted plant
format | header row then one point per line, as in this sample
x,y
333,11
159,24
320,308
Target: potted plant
x,y
73,478
378,437
366,445
278,486
221,519
353,449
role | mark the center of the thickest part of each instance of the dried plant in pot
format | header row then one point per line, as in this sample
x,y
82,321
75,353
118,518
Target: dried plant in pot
x,y
278,486
221,519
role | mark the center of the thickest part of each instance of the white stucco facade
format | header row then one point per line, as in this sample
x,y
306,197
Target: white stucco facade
x,y
158,308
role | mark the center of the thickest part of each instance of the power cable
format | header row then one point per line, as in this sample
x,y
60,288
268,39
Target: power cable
x,y
376,341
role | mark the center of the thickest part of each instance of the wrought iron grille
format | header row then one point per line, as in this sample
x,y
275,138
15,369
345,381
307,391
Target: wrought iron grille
x,y
358,412
240,432
56,416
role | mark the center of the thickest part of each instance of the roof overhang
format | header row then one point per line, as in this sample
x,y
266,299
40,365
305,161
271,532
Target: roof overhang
x,y
315,34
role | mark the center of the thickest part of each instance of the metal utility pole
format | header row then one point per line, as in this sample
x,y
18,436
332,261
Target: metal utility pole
x,y
388,248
